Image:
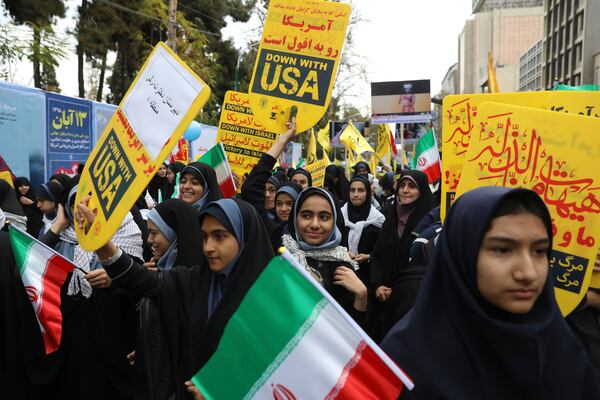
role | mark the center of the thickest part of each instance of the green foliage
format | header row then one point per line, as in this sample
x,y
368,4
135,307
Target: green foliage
x,y
39,15
12,50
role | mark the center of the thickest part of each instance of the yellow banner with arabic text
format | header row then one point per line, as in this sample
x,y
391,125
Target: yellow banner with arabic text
x,y
555,155
244,139
317,171
458,122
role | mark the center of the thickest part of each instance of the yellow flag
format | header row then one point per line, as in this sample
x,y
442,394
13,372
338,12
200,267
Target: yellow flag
x,y
383,142
350,160
492,82
373,163
351,138
311,155
323,138
337,162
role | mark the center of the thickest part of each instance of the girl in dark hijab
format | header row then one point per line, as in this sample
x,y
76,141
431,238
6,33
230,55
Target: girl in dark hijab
x,y
195,302
363,224
48,197
284,202
260,188
302,177
159,188
391,281
64,181
337,183
198,185
173,173
315,238
11,207
173,234
362,168
486,324
27,199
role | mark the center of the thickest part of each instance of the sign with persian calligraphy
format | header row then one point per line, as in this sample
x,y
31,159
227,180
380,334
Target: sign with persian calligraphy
x,y
160,104
297,60
317,171
458,120
69,133
244,139
555,155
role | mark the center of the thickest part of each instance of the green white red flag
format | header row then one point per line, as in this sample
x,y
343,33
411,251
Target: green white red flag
x,y
43,272
216,158
427,157
303,345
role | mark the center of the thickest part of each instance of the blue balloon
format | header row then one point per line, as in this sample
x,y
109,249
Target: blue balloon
x,y
193,131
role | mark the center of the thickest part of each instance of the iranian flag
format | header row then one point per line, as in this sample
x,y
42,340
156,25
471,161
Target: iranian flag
x,y
43,272
302,345
427,157
216,158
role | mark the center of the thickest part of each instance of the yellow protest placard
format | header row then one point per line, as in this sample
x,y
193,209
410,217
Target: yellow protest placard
x,y
6,176
555,155
297,60
317,171
159,105
458,121
351,138
244,139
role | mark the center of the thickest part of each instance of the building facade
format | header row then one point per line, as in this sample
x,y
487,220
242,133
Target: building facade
x,y
530,69
507,30
571,44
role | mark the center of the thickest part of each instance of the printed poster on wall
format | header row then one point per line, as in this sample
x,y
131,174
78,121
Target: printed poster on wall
x,y
69,133
460,112
244,138
160,104
297,61
556,155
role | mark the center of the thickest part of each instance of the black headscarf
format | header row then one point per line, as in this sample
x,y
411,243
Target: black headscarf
x,y
33,214
341,187
393,251
8,200
387,181
181,218
65,181
360,213
337,213
23,181
454,344
208,179
253,257
304,172
277,179
157,183
361,164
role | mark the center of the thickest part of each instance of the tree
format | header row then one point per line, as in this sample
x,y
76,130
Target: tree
x,y
11,50
38,14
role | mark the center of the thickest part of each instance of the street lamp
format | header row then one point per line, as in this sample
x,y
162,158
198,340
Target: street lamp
x,y
236,83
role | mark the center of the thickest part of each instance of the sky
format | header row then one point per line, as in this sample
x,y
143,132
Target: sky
x,y
397,39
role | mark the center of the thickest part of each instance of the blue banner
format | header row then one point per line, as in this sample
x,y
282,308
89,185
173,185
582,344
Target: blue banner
x,y
21,124
69,133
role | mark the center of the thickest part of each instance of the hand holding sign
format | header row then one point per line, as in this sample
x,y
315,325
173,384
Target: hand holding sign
x,y
161,102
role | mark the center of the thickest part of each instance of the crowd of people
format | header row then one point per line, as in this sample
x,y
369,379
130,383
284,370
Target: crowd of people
x,y
467,310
